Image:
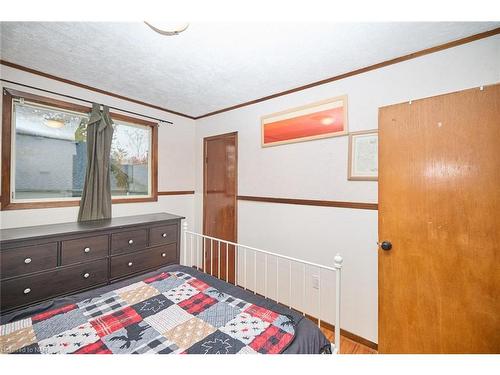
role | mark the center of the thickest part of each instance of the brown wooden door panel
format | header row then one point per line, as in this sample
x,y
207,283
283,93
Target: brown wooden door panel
x,y
439,204
220,205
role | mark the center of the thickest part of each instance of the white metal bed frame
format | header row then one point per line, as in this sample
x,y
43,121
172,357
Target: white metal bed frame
x,y
199,255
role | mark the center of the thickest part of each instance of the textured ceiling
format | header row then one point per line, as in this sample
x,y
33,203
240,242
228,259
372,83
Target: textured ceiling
x,y
213,65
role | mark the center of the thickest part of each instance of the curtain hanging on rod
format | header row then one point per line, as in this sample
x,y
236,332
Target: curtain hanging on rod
x,y
96,196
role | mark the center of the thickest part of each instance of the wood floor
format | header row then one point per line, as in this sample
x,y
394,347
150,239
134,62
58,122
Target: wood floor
x,y
347,346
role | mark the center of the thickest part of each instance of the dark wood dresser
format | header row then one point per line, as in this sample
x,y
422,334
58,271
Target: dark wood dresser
x,y
41,262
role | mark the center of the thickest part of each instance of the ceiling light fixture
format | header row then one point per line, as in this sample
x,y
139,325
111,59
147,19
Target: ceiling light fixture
x,y
168,28
54,123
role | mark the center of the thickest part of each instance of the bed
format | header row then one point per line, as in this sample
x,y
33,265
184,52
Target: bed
x,y
176,309
75,324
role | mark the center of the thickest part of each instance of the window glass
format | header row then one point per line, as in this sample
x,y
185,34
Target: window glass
x,y
130,162
50,155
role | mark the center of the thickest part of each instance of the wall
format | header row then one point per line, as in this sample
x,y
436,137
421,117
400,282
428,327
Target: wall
x,y
175,157
318,170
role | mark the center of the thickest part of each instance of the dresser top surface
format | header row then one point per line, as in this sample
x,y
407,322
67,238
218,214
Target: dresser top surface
x,y
40,231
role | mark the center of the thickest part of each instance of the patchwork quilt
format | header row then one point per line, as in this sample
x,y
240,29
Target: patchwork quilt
x,y
172,312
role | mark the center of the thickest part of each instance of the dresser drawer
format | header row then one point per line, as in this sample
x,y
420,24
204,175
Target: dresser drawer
x,y
23,260
84,249
26,290
125,242
142,260
164,234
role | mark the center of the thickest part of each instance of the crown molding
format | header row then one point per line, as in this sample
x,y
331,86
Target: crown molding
x,y
91,88
382,64
351,73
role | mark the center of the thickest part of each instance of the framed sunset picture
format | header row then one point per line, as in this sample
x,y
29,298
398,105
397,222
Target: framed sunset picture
x,y
324,119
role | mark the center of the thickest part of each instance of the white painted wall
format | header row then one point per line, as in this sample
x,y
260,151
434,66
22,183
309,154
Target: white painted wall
x,y
175,157
318,170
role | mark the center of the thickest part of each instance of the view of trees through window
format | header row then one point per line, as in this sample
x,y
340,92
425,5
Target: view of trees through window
x,y
50,154
130,159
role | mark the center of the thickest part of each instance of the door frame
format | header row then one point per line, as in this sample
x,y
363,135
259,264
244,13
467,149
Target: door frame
x,y
205,140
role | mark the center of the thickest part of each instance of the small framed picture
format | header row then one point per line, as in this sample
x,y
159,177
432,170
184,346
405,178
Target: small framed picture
x,y
363,156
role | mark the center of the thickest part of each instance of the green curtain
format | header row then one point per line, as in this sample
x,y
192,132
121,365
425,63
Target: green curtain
x,y
96,195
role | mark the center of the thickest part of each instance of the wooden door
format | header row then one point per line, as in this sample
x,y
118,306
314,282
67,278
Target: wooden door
x,y
219,203
439,206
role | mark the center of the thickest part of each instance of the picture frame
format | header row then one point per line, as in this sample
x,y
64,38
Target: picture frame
x,y
323,119
363,156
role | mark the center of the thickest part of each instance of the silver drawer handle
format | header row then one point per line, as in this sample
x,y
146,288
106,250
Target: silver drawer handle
x,y
164,235
130,264
130,242
163,255
86,275
27,261
27,290
86,250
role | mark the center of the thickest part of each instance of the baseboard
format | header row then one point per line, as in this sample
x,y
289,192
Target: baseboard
x,y
343,332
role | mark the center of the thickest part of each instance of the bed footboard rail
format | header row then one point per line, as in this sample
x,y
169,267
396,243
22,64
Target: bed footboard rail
x,y
213,255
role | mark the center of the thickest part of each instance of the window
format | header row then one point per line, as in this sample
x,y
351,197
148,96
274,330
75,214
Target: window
x,y
48,154
130,160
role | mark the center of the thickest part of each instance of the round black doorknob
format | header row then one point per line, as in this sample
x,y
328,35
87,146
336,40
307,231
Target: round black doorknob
x,y
386,245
